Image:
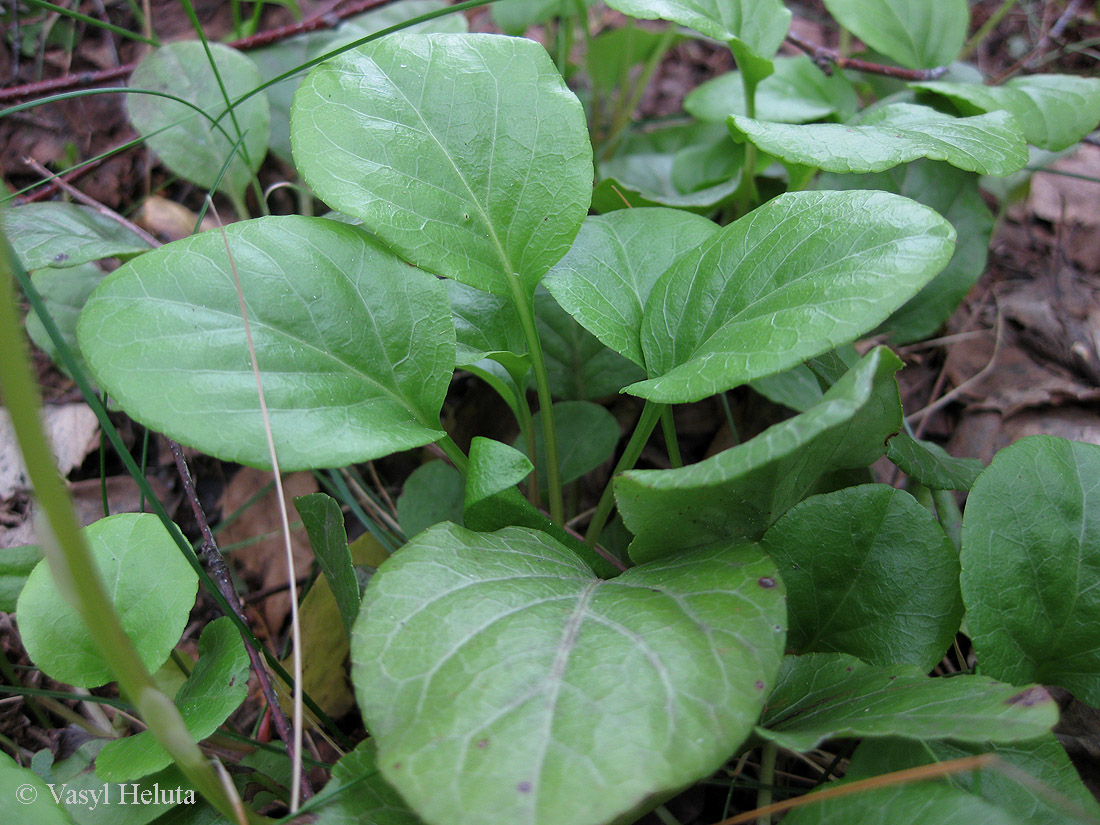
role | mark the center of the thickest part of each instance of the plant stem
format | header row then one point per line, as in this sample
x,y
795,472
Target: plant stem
x,y
646,422
527,429
621,118
75,571
525,307
986,27
767,781
454,453
672,444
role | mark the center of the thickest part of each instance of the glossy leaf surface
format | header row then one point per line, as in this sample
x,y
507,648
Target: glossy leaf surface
x,y
954,194
466,154
194,148
1031,565
65,234
931,464
1053,110
363,797
360,380
605,279
869,572
829,695
216,687
798,276
324,522
151,583
920,34
738,493
484,663
759,24
897,133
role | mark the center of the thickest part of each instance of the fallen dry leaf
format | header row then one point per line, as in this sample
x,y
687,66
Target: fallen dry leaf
x,y
73,431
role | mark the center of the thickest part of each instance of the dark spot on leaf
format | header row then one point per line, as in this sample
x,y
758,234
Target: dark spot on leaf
x,y
483,743
397,766
654,590
766,582
794,567
892,678
759,684
848,669
233,681
778,627
524,787
1030,697
60,256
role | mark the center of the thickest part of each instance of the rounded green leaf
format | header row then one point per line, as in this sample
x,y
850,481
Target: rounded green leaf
x,y
868,572
65,234
831,695
760,25
1053,110
29,801
798,276
434,492
740,492
920,34
505,683
605,279
64,291
195,148
465,153
358,795
882,138
355,347
1031,565
151,583
587,435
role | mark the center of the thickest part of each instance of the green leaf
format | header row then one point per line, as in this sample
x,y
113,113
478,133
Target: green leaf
x,y
493,502
216,687
1054,111
914,803
612,54
869,572
152,586
288,54
931,465
16,564
738,494
797,388
1031,565
65,234
485,663
920,34
661,167
324,523
364,378
579,366
800,275
434,492
797,92
1040,787
64,291
35,802
896,133
587,436
470,157
360,795
954,194
486,325
194,148
605,279
517,16
823,696
760,25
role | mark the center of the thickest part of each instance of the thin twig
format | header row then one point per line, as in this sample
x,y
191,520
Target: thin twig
x,y
76,194
80,80
826,58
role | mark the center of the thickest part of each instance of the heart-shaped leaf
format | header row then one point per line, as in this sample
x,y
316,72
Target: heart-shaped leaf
x,y
1031,565
737,494
65,234
365,378
1053,110
829,695
954,194
468,154
868,572
216,687
802,274
897,133
760,25
1054,795
487,664
605,279
931,465
920,34
797,92
153,588
195,148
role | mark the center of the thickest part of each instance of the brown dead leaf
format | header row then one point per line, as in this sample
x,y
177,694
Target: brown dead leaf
x,y
263,565
168,220
1070,202
73,431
